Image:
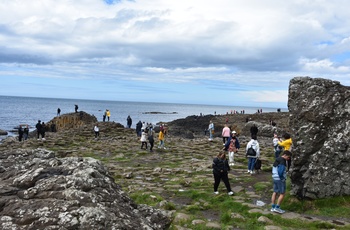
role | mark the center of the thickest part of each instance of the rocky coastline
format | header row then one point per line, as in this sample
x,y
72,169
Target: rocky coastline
x,y
76,181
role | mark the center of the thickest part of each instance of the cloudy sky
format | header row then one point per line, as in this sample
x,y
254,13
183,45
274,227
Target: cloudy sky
x,y
222,52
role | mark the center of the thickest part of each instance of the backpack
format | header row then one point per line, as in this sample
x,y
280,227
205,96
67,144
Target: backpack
x,y
251,152
257,165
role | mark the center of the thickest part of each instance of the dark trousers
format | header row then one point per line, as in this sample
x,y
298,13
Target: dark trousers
x,y
224,139
224,177
97,134
143,143
151,143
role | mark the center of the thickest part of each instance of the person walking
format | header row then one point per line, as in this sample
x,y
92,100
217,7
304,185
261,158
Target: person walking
x,y
151,140
232,146
252,152
279,177
211,130
226,133
220,172
97,131
144,137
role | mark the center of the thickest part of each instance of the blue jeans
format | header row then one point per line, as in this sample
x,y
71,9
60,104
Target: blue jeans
x,y
251,163
210,134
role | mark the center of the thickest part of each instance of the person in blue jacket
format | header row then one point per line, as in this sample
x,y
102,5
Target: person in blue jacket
x,y
279,177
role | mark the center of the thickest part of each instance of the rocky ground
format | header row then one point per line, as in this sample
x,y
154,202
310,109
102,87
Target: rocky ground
x,y
168,175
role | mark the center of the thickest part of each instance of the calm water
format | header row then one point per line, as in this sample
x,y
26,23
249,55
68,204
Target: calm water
x,y
28,110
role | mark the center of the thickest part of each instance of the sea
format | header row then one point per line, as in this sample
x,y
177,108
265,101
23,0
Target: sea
x,y
28,110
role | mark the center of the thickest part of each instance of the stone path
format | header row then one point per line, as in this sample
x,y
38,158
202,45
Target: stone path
x,y
166,173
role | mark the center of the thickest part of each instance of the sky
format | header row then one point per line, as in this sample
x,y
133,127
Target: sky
x,y
222,52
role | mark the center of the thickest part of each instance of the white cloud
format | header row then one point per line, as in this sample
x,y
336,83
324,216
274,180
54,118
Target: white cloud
x,y
211,44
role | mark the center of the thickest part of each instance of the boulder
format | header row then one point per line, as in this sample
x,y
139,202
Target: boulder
x,y
40,191
3,132
70,120
320,119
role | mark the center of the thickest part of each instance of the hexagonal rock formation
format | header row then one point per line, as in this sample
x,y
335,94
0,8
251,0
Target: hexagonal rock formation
x,y
40,191
320,120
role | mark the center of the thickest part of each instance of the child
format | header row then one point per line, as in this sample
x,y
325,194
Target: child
x,y
279,177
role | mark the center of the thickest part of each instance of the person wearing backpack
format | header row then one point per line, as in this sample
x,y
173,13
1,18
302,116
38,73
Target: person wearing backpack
x,y
252,152
279,177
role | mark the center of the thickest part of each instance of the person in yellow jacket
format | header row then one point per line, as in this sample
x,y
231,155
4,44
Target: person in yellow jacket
x,y
108,113
161,139
287,145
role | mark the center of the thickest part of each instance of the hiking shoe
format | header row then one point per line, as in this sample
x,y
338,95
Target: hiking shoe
x,y
278,210
230,193
216,193
272,209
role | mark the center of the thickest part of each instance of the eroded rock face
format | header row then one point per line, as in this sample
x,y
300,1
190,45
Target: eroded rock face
x,y
40,191
320,118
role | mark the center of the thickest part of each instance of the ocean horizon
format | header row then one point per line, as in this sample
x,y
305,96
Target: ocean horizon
x,y
17,110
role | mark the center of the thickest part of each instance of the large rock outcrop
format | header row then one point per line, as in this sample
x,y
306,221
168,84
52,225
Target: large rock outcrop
x,y
40,191
320,118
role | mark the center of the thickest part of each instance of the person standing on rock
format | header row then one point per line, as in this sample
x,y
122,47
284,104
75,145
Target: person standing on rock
x,y
220,172
279,177
76,108
97,131
254,144
276,147
144,137
20,133
104,116
43,130
287,145
254,131
211,130
129,121
138,128
161,138
26,132
226,133
108,114
38,129
58,112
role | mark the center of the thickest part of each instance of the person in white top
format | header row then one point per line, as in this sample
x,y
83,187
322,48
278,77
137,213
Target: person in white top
x,y
97,131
